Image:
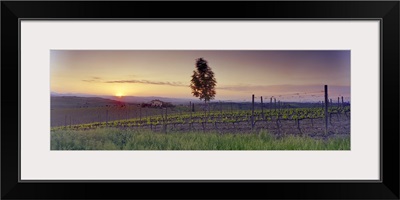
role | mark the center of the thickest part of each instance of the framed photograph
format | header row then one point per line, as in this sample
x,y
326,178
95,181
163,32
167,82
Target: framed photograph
x,y
247,102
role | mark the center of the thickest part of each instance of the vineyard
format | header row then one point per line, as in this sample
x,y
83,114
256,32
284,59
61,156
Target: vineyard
x,y
98,124
182,119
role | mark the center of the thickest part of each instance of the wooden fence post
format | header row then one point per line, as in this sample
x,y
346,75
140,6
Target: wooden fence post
x,y
326,109
279,105
270,104
252,112
342,102
262,108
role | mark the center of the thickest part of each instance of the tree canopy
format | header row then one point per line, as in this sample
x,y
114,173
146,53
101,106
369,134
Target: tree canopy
x,y
203,81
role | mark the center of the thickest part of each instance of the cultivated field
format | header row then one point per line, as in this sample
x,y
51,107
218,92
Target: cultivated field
x,y
220,121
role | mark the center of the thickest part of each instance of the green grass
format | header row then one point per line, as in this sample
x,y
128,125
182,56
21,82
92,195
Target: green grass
x,y
116,139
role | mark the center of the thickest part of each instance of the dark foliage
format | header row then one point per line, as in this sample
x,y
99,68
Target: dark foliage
x,y
203,81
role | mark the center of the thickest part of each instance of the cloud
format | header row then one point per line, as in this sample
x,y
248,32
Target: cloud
x,y
246,88
90,80
287,90
179,84
99,80
93,79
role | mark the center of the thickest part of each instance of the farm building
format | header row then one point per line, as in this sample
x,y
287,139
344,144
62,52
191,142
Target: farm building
x,y
156,103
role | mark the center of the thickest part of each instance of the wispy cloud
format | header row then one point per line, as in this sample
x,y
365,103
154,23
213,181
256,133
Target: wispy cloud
x,y
90,80
93,79
291,90
149,82
100,80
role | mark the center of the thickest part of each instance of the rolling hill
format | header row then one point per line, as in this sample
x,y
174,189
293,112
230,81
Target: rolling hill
x,y
79,102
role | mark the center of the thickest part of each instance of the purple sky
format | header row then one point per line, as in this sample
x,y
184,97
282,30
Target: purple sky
x,y
292,75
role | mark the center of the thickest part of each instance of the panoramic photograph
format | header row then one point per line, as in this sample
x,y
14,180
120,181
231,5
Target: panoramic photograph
x,y
200,99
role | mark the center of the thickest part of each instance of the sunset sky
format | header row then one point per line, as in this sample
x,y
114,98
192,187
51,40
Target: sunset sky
x,y
288,75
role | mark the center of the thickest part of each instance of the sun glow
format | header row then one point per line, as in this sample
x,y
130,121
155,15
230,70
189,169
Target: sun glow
x,y
119,94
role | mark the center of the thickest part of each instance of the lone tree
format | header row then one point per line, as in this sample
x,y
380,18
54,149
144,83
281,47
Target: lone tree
x,y
203,81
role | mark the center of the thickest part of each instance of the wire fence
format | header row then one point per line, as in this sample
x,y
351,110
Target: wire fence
x,y
260,112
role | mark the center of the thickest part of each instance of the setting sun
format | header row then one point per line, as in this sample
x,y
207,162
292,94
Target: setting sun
x,y
119,94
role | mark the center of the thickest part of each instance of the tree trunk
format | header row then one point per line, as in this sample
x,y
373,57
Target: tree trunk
x,y
205,116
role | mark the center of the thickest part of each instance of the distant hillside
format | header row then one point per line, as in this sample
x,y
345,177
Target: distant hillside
x,y
79,102
136,99
130,99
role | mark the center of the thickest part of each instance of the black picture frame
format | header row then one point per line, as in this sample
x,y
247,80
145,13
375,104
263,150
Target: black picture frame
x,y
13,11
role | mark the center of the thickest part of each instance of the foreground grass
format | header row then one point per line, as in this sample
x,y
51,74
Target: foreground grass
x,y
115,139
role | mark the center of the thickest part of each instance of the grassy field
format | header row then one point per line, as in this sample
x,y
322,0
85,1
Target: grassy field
x,y
118,139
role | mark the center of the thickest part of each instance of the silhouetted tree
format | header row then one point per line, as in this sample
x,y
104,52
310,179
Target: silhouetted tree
x,y
203,81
